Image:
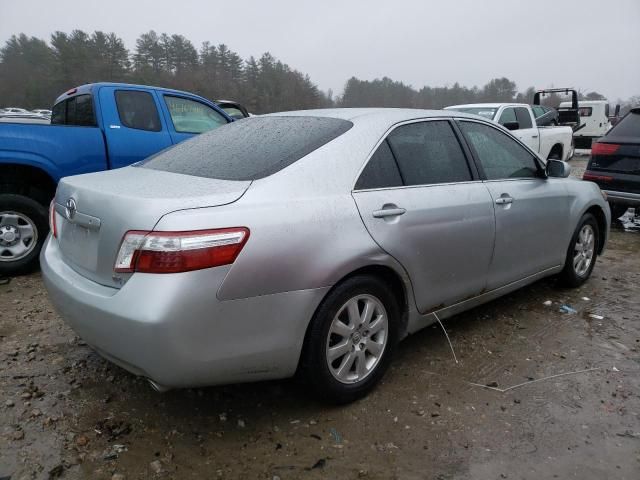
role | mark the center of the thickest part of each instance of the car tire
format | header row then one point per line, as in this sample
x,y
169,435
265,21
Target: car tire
x,y
343,357
617,210
582,252
21,215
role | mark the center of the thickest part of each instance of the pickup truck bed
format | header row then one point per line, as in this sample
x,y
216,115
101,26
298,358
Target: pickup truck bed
x,y
547,142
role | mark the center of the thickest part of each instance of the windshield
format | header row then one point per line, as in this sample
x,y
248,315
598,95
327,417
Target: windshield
x,y
485,112
248,149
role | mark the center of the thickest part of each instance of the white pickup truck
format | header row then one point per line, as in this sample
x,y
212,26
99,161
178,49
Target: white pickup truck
x,y
548,142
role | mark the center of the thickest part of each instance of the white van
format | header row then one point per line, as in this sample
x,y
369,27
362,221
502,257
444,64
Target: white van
x,y
594,121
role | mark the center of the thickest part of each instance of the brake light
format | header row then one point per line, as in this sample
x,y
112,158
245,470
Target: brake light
x,y
174,252
596,178
604,148
52,219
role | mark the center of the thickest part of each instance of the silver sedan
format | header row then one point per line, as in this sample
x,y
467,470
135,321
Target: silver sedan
x,y
310,243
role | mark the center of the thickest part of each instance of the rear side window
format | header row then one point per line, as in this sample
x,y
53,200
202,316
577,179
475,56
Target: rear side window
x,y
585,111
249,149
189,116
428,153
138,110
500,155
629,126
523,118
381,170
77,111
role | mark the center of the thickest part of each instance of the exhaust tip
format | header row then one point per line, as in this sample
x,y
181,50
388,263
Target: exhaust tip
x,y
157,387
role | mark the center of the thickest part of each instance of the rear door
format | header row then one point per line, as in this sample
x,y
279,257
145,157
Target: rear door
x,y
531,211
133,126
423,203
187,117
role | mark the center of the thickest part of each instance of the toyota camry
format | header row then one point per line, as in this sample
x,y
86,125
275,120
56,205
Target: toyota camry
x,y
310,243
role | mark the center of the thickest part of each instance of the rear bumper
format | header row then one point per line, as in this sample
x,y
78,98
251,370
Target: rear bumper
x,y
173,330
624,198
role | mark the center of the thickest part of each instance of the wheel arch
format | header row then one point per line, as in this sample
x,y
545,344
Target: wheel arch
x,y
601,219
28,180
556,149
389,276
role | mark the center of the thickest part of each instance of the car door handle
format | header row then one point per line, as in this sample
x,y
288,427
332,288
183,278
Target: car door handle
x,y
504,200
388,212
534,136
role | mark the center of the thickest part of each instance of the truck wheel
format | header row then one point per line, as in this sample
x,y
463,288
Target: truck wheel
x,y
23,228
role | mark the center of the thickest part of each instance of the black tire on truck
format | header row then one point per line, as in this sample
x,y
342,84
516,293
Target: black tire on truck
x,y
24,225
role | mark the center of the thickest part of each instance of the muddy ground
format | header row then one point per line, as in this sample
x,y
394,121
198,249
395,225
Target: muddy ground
x,y
65,412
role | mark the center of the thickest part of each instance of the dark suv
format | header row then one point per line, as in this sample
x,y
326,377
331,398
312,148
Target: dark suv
x,y
615,164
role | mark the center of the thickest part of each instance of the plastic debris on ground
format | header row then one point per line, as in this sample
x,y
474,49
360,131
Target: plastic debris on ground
x,y
597,317
548,303
567,309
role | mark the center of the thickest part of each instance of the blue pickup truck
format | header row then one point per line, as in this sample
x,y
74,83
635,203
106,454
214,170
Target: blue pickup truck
x,y
93,127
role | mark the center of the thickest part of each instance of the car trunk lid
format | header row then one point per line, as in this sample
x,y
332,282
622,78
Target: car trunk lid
x,y
94,211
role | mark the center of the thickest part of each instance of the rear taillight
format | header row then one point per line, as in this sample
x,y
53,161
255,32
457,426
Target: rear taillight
x,y
52,219
604,148
592,177
174,252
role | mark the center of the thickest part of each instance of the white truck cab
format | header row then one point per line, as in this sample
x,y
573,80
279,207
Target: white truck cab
x,y
594,121
548,142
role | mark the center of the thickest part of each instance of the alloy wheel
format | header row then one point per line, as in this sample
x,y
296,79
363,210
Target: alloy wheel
x,y
357,338
584,250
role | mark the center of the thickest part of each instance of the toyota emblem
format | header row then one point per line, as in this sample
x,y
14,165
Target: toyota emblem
x,y
70,208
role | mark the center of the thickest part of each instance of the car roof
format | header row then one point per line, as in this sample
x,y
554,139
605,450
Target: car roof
x,y
88,87
488,105
392,115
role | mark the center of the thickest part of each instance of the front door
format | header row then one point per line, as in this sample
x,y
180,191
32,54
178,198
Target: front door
x,y
423,205
132,125
530,210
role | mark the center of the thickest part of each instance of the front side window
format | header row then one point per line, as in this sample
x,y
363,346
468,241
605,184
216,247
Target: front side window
x,y
189,116
428,153
501,156
585,111
137,109
538,111
507,115
381,170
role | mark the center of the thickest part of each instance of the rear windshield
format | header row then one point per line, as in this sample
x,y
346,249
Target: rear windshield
x,y
248,149
629,126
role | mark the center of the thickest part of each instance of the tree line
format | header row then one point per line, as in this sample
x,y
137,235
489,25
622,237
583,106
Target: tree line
x,y
33,73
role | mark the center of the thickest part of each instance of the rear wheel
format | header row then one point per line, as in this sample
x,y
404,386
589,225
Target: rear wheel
x,y
351,340
617,210
23,229
582,252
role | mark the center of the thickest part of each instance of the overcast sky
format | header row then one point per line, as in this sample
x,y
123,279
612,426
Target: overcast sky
x,y
587,44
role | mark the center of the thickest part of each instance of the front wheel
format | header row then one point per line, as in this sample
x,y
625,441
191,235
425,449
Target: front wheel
x,y
351,339
23,229
582,252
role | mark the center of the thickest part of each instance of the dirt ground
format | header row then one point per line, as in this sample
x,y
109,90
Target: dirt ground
x,y
65,412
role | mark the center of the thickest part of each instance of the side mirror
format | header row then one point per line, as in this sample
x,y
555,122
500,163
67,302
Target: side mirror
x,y
511,125
558,169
